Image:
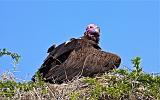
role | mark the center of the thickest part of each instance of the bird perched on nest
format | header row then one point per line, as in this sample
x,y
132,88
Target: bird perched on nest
x,y
78,57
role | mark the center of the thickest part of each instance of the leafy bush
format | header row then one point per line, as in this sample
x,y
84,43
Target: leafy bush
x,y
119,84
122,84
9,87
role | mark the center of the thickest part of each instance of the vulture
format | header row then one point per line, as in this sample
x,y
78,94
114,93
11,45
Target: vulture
x,y
76,58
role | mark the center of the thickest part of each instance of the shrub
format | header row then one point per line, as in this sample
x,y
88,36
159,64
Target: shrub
x,y
119,84
123,84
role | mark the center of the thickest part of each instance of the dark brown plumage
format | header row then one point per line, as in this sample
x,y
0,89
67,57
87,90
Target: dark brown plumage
x,y
51,48
79,57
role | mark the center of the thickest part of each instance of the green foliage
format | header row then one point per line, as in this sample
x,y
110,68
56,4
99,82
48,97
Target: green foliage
x,y
90,81
38,79
9,87
119,84
122,84
96,91
74,96
96,88
14,56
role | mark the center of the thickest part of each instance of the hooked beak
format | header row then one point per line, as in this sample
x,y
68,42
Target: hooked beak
x,y
97,30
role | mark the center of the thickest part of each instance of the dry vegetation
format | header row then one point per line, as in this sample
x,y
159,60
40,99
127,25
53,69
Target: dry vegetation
x,y
119,84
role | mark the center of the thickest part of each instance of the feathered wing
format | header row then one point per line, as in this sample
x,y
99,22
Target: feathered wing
x,y
58,55
68,47
85,61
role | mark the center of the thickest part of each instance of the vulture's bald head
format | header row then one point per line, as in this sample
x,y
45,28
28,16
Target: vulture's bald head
x,y
92,32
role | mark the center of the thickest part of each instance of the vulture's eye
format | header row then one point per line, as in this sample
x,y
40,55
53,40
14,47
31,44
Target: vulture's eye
x,y
91,27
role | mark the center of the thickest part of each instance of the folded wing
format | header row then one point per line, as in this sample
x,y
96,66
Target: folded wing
x,y
79,57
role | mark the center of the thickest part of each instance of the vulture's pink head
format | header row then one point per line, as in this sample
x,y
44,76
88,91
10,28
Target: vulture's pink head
x,y
92,32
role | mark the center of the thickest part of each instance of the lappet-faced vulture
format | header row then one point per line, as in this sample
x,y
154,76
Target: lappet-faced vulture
x,y
78,57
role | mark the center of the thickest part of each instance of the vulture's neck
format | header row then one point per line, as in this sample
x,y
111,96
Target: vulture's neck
x,y
94,43
95,39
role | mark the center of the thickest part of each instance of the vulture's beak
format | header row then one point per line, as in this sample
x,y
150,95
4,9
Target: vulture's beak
x,y
97,30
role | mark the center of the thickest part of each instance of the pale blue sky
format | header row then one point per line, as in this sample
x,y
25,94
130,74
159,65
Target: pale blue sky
x,y
128,28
